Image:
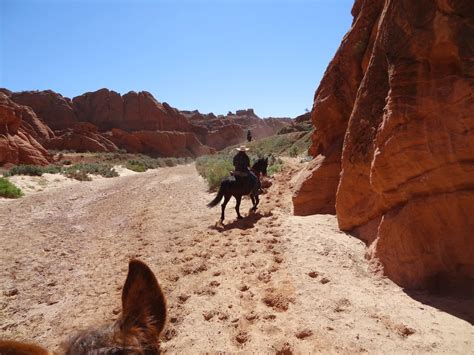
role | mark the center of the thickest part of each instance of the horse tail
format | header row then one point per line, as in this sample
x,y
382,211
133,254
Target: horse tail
x,y
218,198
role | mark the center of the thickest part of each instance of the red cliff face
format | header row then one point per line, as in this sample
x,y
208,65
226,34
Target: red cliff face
x,y
105,121
17,145
394,139
131,112
160,143
221,131
54,109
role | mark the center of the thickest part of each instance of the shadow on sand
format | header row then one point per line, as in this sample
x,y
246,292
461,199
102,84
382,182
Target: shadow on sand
x,y
244,223
460,307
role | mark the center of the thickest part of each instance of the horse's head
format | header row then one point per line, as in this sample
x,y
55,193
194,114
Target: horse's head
x,y
143,318
260,166
136,332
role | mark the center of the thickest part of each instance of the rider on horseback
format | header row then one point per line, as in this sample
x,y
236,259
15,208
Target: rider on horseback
x,y
242,164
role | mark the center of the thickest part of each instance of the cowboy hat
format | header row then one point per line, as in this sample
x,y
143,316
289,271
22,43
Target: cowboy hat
x,y
242,148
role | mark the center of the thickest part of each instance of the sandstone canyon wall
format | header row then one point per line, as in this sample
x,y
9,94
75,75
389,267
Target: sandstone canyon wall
x,y
17,144
105,121
394,139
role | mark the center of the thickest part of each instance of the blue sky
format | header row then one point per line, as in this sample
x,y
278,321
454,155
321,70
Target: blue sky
x,y
209,55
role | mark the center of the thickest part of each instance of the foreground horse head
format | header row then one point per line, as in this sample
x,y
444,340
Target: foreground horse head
x,y
136,332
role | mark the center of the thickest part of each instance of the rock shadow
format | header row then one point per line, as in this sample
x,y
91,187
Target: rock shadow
x,y
459,306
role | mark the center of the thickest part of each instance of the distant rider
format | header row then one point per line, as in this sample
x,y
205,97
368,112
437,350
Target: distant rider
x,y
249,136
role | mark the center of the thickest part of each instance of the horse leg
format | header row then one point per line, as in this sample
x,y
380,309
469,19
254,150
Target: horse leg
x,y
253,202
237,206
226,199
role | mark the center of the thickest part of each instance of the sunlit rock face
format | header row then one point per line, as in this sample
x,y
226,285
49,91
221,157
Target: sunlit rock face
x,y
17,144
394,112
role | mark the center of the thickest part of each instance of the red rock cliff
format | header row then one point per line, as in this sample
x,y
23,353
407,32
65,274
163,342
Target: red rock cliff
x,y
394,139
17,145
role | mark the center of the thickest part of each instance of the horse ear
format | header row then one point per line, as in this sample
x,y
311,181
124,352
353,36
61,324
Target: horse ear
x,y
10,347
266,159
143,302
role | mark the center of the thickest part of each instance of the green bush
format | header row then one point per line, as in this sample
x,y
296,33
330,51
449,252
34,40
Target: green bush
x,y
31,170
273,169
80,175
293,151
9,190
94,169
214,168
52,169
136,166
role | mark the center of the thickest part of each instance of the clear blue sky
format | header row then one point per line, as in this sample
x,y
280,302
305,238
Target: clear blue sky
x,y
209,55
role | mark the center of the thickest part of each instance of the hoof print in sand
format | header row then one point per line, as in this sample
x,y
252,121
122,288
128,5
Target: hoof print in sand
x,y
304,333
242,337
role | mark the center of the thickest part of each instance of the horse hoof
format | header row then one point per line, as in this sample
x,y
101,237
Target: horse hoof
x,y
240,217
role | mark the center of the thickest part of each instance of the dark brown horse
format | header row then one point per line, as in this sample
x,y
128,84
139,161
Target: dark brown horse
x,y
136,332
239,186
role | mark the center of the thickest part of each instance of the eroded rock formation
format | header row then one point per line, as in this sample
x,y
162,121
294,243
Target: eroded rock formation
x,y
394,139
160,143
105,121
17,145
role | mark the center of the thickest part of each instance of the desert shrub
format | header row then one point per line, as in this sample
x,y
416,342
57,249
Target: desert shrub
x,y
94,169
171,161
52,169
293,151
9,190
136,166
214,168
80,175
273,169
31,170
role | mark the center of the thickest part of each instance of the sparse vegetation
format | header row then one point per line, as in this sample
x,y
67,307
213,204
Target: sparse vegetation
x,y
104,170
136,166
77,171
31,170
216,167
293,151
143,163
9,190
80,175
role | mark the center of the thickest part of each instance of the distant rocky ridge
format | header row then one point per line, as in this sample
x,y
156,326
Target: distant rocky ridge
x,y
105,121
394,140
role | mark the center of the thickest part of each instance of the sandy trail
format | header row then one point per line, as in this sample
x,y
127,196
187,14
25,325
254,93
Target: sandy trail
x,y
271,282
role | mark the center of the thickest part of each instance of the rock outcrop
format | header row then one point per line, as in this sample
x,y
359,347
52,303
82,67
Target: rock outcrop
x,y
160,143
55,110
105,121
131,112
222,131
394,139
17,145
82,137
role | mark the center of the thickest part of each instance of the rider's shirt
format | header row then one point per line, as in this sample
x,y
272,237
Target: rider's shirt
x,y
241,162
